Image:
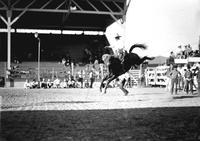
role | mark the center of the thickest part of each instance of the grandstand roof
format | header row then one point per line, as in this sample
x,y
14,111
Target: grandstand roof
x,y
62,14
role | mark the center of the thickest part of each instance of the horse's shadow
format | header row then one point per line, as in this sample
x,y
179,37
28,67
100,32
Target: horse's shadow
x,y
185,96
69,102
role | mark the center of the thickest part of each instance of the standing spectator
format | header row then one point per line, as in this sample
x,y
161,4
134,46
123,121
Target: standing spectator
x,y
188,50
185,51
174,74
189,80
80,78
168,81
92,78
170,60
181,77
184,80
172,55
180,53
198,80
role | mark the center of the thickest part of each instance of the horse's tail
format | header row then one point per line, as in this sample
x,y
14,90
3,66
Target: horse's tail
x,y
142,46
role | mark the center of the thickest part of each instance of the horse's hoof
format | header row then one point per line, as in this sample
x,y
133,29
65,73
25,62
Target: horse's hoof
x,y
100,89
104,91
126,93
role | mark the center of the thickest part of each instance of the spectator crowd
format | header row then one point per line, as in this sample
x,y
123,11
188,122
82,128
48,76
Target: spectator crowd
x,y
183,52
70,82
184,78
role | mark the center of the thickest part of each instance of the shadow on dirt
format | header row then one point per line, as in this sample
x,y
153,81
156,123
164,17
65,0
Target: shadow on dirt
x,y
71,102
152,124
185,96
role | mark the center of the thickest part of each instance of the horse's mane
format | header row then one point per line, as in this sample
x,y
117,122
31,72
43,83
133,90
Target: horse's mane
x,y
142,46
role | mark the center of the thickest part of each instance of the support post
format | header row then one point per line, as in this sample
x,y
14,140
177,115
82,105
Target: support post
x,y
38,39
38,60
9,14
141,76
72,68
199,44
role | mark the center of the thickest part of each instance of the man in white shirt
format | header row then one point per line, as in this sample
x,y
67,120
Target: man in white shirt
x,y
118,46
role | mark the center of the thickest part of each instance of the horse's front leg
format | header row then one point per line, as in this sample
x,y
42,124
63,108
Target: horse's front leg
x,y
111,78
104,79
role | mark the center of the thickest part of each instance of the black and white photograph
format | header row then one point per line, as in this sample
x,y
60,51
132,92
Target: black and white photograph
x,y
99,70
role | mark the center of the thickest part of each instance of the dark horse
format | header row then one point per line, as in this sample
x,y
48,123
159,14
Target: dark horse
x,y
117,67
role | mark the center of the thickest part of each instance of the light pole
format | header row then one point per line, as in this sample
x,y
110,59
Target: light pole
x,y
36,36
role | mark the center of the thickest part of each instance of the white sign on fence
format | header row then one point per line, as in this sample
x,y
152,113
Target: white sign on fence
x,y
194,59
181,61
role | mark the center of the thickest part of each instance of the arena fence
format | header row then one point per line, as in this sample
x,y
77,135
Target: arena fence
x,y
52,70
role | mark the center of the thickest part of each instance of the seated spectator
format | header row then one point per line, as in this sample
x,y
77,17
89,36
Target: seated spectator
x,y
71,83
188,50
27,85
56,83
43,84
86,84
63,84
34,84
80,78
196,53
180,53
49,83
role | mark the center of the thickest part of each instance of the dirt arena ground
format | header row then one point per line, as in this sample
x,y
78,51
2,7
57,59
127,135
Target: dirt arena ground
x,y
146,114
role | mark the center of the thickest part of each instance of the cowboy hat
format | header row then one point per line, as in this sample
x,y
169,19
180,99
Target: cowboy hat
x,y
117,37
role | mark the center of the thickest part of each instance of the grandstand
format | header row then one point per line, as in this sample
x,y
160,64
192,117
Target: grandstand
x,y
67,17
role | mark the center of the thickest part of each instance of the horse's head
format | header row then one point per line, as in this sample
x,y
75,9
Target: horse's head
x,y
105,58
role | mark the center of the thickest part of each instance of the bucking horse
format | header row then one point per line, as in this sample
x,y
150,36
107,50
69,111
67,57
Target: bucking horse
x,y
118,67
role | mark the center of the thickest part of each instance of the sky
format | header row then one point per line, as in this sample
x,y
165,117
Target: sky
x,y
162,25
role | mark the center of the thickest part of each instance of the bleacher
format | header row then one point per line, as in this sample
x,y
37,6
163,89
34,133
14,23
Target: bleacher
x,y
2,68
29,69
50,70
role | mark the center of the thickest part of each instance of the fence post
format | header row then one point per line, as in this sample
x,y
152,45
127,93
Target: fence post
x,y
141,77
5,74
72,69
52,73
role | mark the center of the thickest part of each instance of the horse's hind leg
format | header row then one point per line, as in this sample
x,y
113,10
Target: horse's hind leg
x,y
122,87
104,79
110,78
